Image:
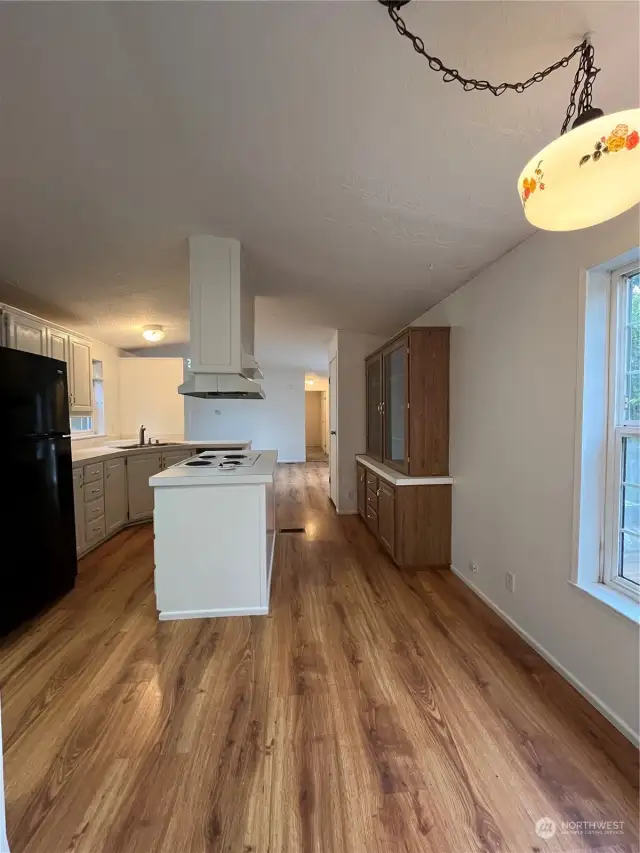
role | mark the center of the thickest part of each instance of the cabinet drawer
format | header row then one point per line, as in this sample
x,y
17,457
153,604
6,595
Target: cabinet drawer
x,y
94,510
372,501
372,517
93,491
372,482
93,472
94,531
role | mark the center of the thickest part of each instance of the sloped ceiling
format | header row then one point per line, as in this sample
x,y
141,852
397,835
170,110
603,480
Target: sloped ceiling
x,y
362,187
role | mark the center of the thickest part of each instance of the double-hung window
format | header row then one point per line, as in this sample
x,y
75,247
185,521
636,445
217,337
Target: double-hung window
x,y
621,553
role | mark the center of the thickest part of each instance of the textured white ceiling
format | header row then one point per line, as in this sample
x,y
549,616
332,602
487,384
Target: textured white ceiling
x,y
363,188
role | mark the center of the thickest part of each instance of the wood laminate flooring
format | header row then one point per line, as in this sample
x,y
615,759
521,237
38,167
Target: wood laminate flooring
x,y
373,711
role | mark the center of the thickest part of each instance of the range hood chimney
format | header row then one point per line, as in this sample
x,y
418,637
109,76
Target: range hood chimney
x,y
221,363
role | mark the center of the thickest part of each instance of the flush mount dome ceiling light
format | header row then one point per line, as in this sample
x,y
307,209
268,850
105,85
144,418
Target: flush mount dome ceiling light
x,y
153,333
587,175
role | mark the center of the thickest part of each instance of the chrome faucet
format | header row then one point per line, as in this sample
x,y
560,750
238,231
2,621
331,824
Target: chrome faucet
x,y
141,436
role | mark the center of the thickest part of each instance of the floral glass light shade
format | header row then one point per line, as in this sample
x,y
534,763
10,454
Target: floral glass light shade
x,y
586,176
153,333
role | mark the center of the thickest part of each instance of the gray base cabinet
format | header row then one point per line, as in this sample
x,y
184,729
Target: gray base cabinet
x,y
111,494
115,495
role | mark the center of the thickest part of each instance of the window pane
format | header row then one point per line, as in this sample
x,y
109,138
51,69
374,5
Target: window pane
x,y
632,354
629,537
81,423
630,557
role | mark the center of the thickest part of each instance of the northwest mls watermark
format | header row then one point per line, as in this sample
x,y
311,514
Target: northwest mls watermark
x,y
546,827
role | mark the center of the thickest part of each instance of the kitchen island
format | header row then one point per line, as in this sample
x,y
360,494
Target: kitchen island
x,y
214,535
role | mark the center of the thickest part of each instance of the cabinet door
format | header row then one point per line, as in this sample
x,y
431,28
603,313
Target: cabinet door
x,y
396,427
115,495
139,469
27,334
78,507
172,457
362,492
387,516
80,376
374,406
58,345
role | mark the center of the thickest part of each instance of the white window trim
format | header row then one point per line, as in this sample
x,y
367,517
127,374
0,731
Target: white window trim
x,y
592,380
615,433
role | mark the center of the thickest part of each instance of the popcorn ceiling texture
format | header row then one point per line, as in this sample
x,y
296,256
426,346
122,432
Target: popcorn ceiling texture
x,y
363,188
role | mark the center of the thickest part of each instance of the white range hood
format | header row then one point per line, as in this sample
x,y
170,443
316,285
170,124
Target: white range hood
x,y
221,363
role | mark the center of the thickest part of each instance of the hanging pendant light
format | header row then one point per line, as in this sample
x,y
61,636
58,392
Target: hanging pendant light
x,y
588,174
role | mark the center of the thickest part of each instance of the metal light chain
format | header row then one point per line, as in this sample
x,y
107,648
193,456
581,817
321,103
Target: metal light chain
x,y
586,70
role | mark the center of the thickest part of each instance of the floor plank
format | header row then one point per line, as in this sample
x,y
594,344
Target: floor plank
x,y
372,711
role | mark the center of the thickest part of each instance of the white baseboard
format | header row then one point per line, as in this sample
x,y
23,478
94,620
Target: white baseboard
x,y
600,706
168,615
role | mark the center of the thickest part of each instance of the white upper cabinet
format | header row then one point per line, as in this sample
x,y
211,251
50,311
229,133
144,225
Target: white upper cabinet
x,y
115,495
139,469
26,333
80,376
58,345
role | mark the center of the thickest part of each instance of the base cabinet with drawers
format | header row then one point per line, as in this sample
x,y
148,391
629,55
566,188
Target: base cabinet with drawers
x,y
411,522
111,494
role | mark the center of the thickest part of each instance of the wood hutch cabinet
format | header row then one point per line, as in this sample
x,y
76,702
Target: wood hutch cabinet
x,y
407,384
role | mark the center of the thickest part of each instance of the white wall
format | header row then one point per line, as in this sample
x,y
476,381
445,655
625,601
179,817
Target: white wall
x,y
514,357
352,349
149,396
276,423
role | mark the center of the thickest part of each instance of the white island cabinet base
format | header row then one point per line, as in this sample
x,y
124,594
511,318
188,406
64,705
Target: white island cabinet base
x,y
214,544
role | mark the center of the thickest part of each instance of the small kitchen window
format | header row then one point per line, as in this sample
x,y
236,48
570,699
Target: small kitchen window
x,y
81,424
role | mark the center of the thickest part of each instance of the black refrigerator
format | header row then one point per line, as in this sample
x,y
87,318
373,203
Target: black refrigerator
x,y
37,545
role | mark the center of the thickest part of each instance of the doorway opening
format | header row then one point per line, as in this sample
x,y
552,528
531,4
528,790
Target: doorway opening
x,y
316,418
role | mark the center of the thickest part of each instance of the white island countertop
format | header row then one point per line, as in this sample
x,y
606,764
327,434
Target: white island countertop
x,y
262,471
111,451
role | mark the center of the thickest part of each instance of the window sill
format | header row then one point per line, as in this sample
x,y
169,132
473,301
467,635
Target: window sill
x,y
79,436
613,600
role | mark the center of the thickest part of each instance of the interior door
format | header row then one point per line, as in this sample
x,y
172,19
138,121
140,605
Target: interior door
x,y
374,406
395,411
333,431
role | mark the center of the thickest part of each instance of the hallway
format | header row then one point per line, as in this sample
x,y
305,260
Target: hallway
x,y
373,711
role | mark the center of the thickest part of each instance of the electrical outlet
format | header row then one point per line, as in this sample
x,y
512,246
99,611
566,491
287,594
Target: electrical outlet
x,y
473,567
510,581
